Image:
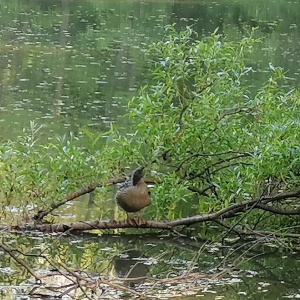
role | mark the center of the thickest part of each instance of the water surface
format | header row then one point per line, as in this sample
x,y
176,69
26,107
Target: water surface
x,y
70,65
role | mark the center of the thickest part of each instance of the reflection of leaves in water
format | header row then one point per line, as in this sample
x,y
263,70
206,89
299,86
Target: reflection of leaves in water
x,y
128,256
96,255
131,264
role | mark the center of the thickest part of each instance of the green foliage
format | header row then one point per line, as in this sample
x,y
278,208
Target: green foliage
x,y
200,121
210,139
40,174
167,195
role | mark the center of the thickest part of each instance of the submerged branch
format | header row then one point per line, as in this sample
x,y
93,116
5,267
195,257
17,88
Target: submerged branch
x,y
19,261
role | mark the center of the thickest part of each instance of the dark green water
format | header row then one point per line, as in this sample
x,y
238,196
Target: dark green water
x,y
70,65
262,273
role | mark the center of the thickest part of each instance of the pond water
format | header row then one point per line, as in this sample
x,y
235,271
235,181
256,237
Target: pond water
x,y
263,272
70,65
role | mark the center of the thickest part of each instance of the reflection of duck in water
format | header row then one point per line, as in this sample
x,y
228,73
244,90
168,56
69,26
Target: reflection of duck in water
x,y
133,195
128,264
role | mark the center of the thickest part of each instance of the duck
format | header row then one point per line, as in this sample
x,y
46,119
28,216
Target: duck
x,y
133,195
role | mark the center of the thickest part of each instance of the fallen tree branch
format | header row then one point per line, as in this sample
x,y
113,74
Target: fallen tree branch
x,y
225,213
42,213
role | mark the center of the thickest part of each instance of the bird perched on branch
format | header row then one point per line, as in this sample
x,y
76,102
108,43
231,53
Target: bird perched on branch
x,y
133,195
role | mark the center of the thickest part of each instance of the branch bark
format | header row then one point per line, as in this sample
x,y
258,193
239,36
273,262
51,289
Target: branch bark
x,y
225,213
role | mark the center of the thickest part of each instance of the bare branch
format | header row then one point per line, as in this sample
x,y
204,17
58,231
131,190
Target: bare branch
x,y
19,261
221,161
278,211
189,158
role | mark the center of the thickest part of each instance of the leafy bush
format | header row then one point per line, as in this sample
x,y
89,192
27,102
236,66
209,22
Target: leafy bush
x,y
210,139
200,124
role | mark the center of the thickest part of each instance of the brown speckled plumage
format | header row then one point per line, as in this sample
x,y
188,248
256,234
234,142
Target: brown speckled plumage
x,y
133,195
